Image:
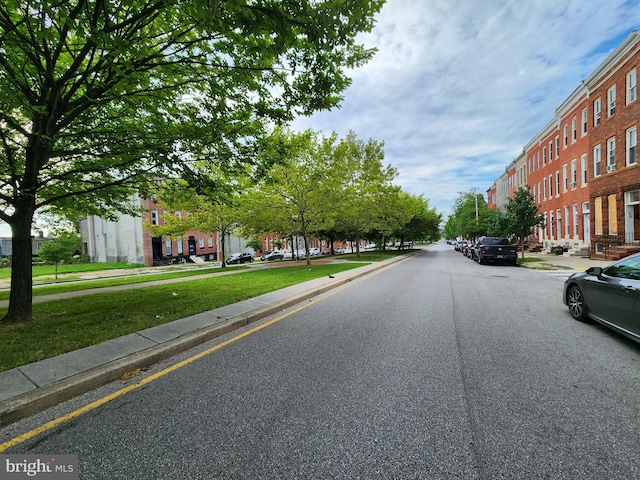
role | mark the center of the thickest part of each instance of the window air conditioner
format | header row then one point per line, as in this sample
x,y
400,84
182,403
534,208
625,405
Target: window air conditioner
x,y
611,168
573,185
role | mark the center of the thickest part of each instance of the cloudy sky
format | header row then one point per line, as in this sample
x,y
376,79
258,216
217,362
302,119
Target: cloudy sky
x,y
458,87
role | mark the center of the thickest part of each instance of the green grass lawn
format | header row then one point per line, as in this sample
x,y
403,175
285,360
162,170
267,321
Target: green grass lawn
x,y
66,325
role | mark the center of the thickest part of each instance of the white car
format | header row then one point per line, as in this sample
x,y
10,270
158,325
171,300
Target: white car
x,y
370,246
314,251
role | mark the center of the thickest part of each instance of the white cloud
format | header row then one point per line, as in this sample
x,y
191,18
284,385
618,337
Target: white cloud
x,y
457,88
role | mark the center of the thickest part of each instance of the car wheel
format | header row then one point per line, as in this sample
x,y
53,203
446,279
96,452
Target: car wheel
x,y
480,261
575,302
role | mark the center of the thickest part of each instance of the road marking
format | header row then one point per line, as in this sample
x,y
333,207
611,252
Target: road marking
x,y
104,400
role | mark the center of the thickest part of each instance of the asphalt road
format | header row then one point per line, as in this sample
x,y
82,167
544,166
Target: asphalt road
x,y
435,368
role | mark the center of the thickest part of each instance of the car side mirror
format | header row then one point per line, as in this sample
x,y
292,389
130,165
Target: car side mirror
x,y
595,271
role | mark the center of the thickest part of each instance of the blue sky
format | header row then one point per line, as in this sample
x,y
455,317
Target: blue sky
x,y
458,87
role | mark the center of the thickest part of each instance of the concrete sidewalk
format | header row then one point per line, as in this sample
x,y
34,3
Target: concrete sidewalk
x,y
31,388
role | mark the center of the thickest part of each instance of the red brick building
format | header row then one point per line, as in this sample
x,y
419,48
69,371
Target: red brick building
x,y
582,167
614,176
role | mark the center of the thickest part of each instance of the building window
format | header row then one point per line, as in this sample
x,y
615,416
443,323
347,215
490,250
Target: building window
x,y
597,111
597,212
613,219
565,136
611,101
167,243
209,242
179,246
583,169
574,173
178,214
574,129
611,154
632,144
544,186
597,161
544,155
565,177
558,146
557,183
154,217
539,194
632,86
575,220
584,122
550,186
566,221
201,242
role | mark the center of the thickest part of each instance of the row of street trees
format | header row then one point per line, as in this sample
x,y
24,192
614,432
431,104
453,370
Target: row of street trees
x,y
99,99
473,218
313,185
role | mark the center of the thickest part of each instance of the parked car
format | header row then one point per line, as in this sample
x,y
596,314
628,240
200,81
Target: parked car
x,y
339,251
496,249
275,255
607,295
314,251
370,246
470,251
238,258
459,245
326,251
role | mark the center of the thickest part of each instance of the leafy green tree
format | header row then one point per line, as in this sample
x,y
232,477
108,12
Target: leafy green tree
x,y
522,211
424,223
60,250
469,219
296,196
498,223
97,98
368,201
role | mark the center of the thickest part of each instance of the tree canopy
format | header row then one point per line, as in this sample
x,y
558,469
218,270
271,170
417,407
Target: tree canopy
x,y
99,97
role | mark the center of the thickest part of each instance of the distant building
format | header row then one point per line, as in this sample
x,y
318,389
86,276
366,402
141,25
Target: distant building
x,y
127,240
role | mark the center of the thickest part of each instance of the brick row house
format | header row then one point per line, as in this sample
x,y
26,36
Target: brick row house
x,y
127,240
582,166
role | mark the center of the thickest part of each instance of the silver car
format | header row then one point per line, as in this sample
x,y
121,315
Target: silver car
x,y
610,296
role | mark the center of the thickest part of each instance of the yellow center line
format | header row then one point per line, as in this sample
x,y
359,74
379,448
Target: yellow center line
x,y
93,405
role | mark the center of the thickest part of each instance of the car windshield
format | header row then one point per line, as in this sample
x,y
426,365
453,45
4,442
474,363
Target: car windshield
x,y
628,268
496,241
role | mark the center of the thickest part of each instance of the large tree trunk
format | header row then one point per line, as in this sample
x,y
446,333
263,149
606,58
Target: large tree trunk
x,y
21,273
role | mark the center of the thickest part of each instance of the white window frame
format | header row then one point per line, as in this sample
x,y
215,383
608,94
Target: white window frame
x,y
167,246
565,136
575,220
565,177
585,120
574,173
574,129
209,241
584,170
550,186
557,183
611,101
201,242
597,161
597,111
611,153
544,189
179,245
632,86
632,145
154,217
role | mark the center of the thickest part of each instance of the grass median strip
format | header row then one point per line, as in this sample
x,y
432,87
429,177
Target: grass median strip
x,y
110,282
65,325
